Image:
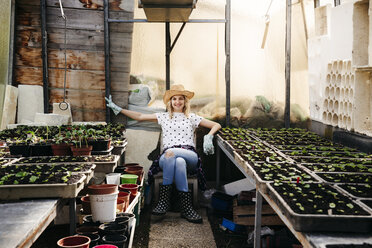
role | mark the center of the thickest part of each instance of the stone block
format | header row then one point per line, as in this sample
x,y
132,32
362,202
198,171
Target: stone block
x,y
63,111
51,119
30,102
10,106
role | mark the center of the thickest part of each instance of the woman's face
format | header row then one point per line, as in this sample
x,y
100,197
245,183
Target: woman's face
x,y
178,102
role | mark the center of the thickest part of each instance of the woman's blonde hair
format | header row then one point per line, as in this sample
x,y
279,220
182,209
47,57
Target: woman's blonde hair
x,y
186,107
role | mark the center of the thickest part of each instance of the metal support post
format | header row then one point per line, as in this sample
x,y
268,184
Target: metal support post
x,y
227,52
44,54
287,109
167,55
257,220
218,166
72,213
107,56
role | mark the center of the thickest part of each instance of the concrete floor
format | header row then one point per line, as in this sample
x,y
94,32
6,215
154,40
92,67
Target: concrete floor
x,y
174,231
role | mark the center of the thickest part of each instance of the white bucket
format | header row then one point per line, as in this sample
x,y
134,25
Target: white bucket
x,y
113,178
103,207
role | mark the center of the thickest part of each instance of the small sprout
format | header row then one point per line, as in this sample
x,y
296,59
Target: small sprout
x,y
332,205
349,205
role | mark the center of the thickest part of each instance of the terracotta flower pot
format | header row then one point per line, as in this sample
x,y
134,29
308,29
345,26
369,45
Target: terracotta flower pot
x,y
133,188
74,242
131,164
102,189
120,205
81,151
62,149
125,196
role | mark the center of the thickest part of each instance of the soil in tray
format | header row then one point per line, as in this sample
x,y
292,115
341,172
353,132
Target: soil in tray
x,y
67,159
346,177
299,142
247,145
368,203
43,178
335,160
260,155
307,198
316,148
339,168
281,171
295,153
44,168
360,190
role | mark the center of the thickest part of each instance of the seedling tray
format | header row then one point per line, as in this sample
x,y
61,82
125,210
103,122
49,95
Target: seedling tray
x,y
107,152
62,190
106,166
356,190
88,173
340,160
323,222
346,177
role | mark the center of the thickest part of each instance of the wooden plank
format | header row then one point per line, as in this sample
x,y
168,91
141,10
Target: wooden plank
x,y
27,56
29,75
84,19
120,62
76,59
80,99
114,5
77,79
120,81
28,15
83,60
88,115
250,209
28,36
266,220
88,40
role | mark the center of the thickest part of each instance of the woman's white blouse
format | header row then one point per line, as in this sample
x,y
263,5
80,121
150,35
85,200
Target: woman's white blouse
x,y
179,130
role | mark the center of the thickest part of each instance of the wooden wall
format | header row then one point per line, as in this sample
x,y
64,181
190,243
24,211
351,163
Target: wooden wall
x,y
85,80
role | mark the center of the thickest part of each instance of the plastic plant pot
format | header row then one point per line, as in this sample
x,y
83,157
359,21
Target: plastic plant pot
x,y
120,205
104,207
77,241
83,230
94,238
129,179
125,196
133,188
118,240
102,189
113,228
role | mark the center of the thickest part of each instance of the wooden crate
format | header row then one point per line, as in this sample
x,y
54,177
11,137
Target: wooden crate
x,y
245,215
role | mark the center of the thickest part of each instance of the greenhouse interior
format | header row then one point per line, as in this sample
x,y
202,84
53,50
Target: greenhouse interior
x,y
186,123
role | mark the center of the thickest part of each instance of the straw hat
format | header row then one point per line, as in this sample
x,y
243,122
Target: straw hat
x,y
177,89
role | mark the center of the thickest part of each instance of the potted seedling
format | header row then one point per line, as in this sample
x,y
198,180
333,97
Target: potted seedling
x,y
80,140
61,145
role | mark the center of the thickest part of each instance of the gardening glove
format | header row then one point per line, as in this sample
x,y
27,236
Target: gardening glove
x,y
115,108
208,144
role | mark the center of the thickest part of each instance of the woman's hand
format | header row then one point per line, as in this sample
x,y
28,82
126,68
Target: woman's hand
x,y
208,144
115,108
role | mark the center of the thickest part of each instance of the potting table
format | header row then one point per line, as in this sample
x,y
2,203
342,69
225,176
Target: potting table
x,y
22,222
307,239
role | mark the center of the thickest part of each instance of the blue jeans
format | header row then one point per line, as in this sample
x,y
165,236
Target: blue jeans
x,y
175,163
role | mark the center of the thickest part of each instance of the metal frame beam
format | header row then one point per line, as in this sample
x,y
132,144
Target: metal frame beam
x,y
44,54
107,56
189,21
287,109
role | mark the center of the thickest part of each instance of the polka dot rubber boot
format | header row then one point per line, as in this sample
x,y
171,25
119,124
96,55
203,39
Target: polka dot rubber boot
x,y
163,205
187,210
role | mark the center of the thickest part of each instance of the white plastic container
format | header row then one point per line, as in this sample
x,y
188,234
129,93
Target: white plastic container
x,y
113,178
103,207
